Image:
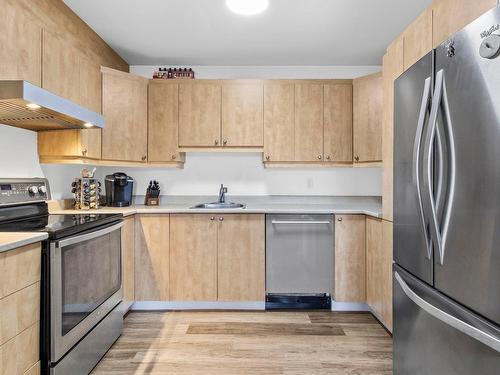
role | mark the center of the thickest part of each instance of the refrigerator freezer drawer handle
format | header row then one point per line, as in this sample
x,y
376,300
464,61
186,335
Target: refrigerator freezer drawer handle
x,y
448,319
416,159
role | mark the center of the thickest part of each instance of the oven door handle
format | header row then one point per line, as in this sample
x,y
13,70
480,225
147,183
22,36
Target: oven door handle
x,y
88,236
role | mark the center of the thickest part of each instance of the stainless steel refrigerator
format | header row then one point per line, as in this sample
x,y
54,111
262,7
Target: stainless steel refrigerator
x,y
447,207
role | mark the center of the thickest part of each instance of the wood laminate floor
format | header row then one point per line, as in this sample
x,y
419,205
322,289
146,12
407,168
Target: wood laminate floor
x,y
240,343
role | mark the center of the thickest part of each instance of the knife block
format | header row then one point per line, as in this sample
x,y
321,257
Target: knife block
x,y
152,201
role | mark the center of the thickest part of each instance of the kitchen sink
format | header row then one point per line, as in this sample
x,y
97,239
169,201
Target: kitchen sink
x,y
219,205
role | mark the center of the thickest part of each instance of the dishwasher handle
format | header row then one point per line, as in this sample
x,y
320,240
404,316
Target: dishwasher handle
x,y
311,222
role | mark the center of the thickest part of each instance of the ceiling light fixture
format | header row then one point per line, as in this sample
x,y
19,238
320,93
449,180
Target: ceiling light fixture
x,y
247,7
33,106
88,125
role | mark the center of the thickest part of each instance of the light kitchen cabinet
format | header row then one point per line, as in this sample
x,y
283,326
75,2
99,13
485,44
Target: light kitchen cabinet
x,y
279,120
200,114
152,254
193,257
350,266
128,272
308,122
163,122
242,114
449,16
241,258
337,142
392,68
66,144
367,118
125,108
418,39
21,41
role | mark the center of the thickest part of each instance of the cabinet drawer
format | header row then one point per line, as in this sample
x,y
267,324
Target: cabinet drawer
x,y
19,268
19,354
19,311
34,370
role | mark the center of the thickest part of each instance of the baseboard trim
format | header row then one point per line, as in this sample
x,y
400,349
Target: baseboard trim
x,y
349,306
197,305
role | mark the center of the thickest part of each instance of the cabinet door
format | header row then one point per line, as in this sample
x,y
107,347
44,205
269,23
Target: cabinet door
x,y
386,274
21,41
308,122
338,123
350,269
199,115
241,258
152,254
242,115
90,85
367,118
128,242
125,107
163,122
392,68
418,39
374,264
61,72
193,258
279,118
450,16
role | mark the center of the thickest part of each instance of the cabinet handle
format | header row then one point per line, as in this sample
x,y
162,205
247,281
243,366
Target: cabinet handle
x,y
216,142
144,158
339,219
268,157
356,158
221,218
319,157
84,152
212,218
174,157
328,157
225,142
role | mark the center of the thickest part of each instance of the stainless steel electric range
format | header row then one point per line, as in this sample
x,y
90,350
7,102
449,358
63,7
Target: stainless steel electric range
x,y
81,316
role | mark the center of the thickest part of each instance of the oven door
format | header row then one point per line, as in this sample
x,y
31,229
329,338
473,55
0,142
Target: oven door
x,y
85,285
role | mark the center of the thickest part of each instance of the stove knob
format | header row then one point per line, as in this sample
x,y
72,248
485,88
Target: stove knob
x,y
42,189
33,190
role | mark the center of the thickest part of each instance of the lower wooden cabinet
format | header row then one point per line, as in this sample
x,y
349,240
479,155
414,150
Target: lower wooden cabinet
x,y
379,269
151,261
193,257
241,258
350,269
128,272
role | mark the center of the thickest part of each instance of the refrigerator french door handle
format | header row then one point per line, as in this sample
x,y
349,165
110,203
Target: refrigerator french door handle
x,y
426,95
471,331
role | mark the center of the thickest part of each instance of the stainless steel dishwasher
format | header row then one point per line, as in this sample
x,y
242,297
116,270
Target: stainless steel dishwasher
x,y
300,261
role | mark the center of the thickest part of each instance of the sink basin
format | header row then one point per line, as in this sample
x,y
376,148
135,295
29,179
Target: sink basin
x,y
217,205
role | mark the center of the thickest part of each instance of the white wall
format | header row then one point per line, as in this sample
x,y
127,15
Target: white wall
x,y
243,173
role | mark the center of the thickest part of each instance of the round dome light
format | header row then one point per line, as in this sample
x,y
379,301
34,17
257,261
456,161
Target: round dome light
x,y
247,7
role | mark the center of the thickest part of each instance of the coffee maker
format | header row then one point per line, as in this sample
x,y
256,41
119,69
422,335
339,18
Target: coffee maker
x,y
119,188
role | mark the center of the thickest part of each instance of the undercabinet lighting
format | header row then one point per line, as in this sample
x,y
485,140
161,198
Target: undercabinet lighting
x,y
88,125
247,7
33,106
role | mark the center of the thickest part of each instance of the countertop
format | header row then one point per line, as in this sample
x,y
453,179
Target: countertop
x,y
371,206
13,240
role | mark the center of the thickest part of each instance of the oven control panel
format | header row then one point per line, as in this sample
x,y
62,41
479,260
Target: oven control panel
x,y
17,190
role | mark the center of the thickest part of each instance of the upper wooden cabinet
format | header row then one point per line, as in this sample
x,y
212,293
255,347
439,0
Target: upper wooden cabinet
x,y
337,142
308,122
350,272
21,41
279,122
367,118
241,258
62,145
125,108
449,16
418,39
193,257
163,122
199,114
242,114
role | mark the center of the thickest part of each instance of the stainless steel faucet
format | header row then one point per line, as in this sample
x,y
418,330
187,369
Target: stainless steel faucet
x,y
222,194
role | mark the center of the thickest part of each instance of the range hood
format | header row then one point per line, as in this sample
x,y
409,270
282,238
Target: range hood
x,y
27,106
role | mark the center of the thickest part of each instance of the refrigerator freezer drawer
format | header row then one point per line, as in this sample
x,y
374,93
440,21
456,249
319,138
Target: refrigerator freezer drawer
x,y
434,335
